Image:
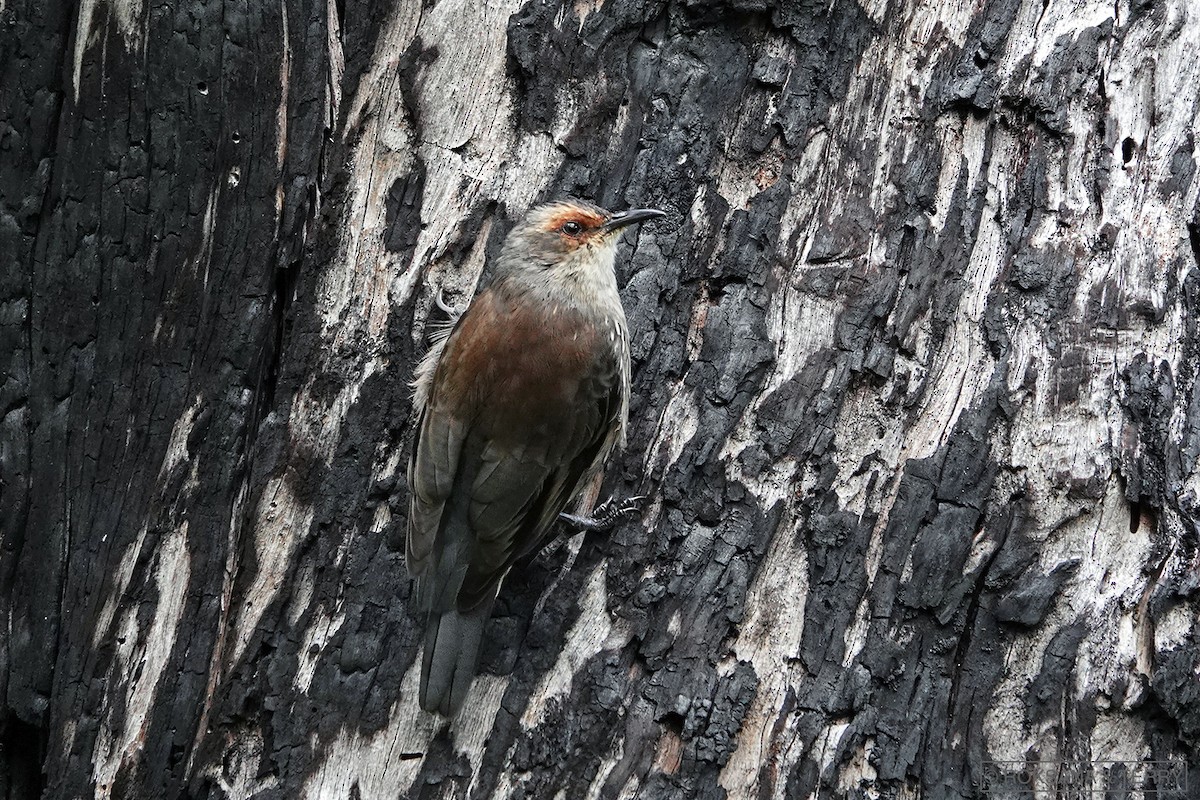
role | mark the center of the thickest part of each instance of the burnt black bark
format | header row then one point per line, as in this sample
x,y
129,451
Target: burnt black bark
x,y
915,394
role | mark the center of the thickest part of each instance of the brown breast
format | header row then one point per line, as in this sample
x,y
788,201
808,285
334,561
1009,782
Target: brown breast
x,y
515,367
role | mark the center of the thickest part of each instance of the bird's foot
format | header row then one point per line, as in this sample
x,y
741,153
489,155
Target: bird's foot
x,y
605,515
453,312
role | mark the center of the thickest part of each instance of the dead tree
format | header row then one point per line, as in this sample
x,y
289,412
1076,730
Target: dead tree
x,y
915,393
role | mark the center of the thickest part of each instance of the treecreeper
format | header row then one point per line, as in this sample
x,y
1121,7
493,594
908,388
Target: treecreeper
x,y
518,408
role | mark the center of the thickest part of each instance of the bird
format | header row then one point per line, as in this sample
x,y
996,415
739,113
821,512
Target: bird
x,y
518,405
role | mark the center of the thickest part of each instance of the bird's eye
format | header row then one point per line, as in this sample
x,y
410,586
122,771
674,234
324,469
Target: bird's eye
x,y
572,228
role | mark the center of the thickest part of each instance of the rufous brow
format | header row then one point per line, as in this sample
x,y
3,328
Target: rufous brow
x,y
585,217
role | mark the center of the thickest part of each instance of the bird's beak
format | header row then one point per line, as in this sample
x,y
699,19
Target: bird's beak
x,y
630,217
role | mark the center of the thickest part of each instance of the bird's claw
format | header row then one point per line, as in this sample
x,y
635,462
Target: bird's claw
x,y
606,515
611,512
451,311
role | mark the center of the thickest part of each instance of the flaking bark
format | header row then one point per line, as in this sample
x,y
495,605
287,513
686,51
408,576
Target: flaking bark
x,y
914,399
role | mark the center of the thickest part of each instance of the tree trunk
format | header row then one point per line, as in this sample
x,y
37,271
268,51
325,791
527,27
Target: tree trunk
x,y
915,397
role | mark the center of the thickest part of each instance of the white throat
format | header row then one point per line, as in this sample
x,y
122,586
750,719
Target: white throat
x,y
589,278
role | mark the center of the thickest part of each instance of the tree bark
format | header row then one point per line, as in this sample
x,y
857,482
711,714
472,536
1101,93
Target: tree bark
x,y
915,397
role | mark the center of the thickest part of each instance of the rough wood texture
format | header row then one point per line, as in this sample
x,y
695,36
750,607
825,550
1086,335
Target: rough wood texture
x,y
915,393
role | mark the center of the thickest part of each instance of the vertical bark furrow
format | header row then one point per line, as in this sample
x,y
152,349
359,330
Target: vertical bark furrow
x,y
915,401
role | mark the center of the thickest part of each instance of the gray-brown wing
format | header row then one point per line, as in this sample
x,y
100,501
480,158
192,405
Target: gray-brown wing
x,y
517,495
433,467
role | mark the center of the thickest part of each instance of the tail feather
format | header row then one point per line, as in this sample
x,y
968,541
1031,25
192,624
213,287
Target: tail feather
x,y
452,641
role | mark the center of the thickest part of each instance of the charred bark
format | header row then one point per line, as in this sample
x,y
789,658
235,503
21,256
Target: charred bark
x,y
915,394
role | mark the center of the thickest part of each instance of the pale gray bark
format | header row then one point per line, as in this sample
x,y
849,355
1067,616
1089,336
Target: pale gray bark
x,y
915,393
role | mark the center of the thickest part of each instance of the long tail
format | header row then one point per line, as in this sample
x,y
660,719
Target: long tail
x,y
452,642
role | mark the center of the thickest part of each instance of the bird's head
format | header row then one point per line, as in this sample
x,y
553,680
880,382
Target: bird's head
x,y
570,235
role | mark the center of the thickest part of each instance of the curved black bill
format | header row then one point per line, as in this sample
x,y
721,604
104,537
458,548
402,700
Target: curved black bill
x,y
632,216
